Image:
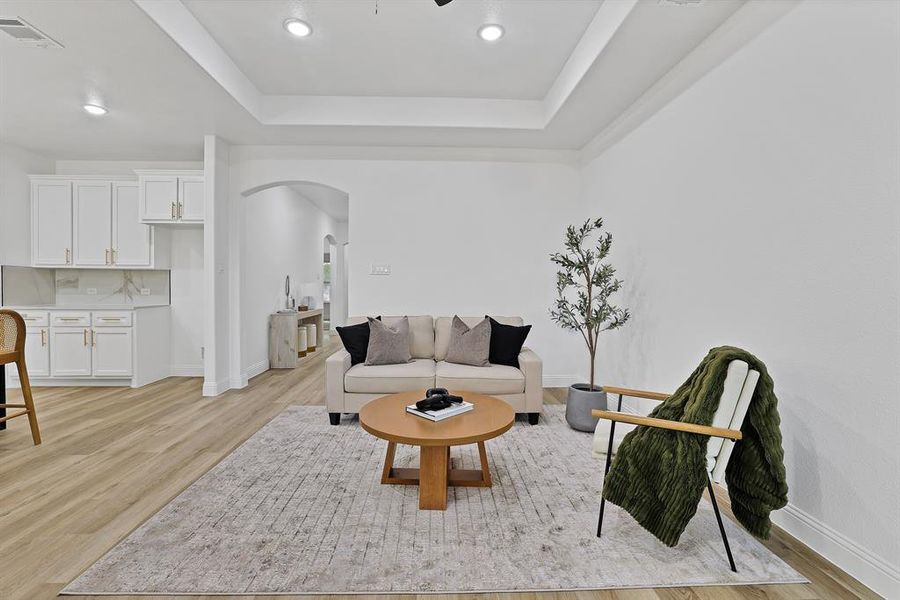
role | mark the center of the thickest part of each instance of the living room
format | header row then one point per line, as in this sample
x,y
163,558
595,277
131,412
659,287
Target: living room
x,y
742,155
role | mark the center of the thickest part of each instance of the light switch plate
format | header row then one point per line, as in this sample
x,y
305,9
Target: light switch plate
x,y
92,291
145,291
381,269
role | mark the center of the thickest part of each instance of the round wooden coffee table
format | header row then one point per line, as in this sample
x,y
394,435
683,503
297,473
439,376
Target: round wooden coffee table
x,y
387,419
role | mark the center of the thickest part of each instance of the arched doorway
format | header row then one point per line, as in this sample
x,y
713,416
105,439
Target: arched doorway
x,y
289,230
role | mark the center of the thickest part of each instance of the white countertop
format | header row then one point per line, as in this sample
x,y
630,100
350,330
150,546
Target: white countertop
x,y
84,306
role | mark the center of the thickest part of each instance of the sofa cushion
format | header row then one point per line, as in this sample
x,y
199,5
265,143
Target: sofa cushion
x,y
389,379
442,331
469,345
421,333
388,345
493,379
356,340
506,343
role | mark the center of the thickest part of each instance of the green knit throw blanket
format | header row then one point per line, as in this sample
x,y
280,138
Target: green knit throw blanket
x,y
659,475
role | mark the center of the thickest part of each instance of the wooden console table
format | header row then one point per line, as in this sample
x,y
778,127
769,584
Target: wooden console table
x,y
283,335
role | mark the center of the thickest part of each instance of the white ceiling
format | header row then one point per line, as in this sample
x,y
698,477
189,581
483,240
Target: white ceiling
x,y
168,80
410,48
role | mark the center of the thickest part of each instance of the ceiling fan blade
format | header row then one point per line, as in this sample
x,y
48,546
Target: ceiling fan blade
x,y
442,2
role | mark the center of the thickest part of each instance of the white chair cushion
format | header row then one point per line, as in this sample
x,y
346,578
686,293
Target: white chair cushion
x,y
390,379
601,437
494,379
442,331
740,412
731,392
421,333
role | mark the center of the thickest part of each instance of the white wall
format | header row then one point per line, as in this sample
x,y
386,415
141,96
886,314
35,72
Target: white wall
x,y
187,311
461,237
283,234
15,200
761,209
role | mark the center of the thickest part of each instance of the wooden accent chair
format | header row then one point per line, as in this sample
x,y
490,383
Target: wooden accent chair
x,y
724,432
12,350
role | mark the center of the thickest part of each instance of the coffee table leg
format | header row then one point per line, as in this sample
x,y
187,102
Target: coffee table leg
x,y
388,462
433,471
485,469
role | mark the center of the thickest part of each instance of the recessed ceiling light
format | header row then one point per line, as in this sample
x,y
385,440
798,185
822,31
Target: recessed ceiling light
x,y
95,109
490,32
298,27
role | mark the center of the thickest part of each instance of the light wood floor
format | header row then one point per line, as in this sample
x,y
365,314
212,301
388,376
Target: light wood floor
x,y
112,457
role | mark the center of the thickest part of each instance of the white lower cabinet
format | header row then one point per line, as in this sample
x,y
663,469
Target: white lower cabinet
x,y
70,352
37,351
111,354
95,347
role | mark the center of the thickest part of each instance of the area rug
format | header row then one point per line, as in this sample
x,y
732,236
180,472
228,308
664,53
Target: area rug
x,y
299,509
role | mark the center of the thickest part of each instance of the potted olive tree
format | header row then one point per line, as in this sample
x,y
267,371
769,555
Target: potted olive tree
x,y
584,285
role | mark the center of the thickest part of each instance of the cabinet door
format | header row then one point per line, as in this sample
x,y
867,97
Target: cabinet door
x,y
70,352
190,193
111,347
130,238
37,351
93,223
159,197
51,223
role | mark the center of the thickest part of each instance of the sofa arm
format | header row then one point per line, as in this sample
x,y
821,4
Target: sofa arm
x,y
533,368
336,366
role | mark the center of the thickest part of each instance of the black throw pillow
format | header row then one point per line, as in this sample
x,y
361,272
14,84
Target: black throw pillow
x,y
356,340
506,343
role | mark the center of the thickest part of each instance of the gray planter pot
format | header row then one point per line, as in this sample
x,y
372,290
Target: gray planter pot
x,y
581,401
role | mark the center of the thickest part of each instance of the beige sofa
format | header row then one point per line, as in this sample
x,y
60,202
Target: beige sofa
x,y
349,388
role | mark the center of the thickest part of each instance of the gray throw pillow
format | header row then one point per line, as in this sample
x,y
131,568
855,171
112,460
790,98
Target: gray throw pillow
x,y
388,345
469,346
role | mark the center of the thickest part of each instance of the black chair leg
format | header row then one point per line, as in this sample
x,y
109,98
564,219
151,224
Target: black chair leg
x,y
334,418
612,432
712,498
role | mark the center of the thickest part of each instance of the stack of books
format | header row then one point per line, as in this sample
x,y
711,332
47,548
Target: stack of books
x,y
444,413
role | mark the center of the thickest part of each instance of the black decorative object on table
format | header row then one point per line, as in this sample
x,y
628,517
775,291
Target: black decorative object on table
x,y
437,399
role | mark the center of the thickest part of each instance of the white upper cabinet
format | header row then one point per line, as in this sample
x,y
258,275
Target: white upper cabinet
x,y
159,198
171,196
93,223
51,222
131,239
190,191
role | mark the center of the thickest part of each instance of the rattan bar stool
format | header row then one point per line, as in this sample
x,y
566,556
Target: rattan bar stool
x,y
12,350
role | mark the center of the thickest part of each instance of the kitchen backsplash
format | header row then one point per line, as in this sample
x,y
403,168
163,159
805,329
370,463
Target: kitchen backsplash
x,y
29,286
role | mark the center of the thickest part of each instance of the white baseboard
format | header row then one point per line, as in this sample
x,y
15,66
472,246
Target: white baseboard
x,y
14,383
871,570
252,371
214,388
558,381
186,371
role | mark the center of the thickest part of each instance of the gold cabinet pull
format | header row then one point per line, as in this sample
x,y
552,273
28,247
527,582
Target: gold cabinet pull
x,y
93,339
106,253
43,337
84,337
113,253
67,256
173,211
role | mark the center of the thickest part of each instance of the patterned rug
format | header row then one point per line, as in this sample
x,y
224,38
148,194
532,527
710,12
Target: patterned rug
x,y
299,508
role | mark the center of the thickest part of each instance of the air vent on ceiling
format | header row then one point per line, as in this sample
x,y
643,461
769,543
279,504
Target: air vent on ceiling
x,y
22,31
681,2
